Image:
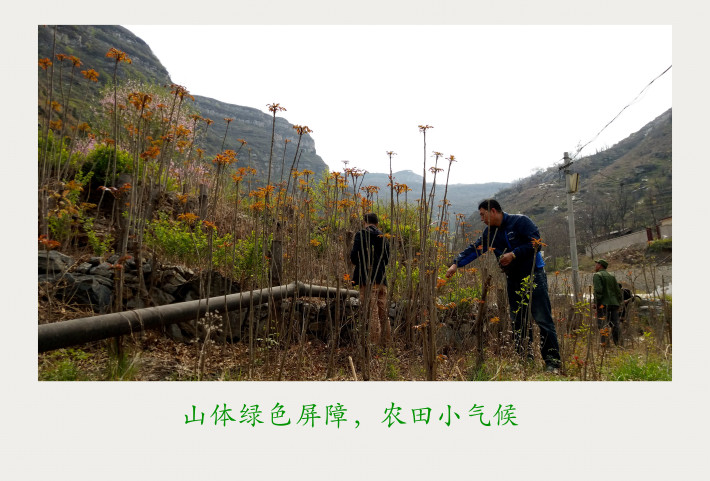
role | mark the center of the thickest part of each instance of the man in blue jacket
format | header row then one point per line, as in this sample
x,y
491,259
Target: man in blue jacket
x,y
514,240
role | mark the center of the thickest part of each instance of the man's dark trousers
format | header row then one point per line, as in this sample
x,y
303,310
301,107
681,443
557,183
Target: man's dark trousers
x,y
541,312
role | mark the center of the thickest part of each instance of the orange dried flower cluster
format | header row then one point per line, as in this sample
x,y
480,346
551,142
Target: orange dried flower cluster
x,y
225,158
258,206
180,91
345,203
48,244
262,192
150,153
401,188
538,243
118,55
275,108
354,172
302,129
139,100
91,75
241,172
188,217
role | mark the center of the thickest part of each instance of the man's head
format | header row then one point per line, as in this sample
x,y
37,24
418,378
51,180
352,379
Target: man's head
x,y
371,218
491,212
600,264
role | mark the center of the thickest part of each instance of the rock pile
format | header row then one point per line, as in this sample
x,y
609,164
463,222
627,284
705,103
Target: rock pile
x,y
93,282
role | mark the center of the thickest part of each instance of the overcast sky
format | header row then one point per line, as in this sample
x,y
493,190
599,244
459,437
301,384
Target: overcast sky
x,y
504,100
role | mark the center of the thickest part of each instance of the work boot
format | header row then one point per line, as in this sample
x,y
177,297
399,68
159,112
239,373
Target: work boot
x,y
552,369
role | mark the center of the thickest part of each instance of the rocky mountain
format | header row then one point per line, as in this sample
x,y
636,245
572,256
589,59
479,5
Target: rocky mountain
x,y
254,126
90,43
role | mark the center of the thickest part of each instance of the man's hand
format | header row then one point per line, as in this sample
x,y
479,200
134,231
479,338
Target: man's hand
x,y
451,271
506,259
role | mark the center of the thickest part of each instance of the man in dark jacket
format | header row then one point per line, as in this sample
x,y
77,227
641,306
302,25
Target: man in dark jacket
x,y
370,254
515,241
607,298
626,298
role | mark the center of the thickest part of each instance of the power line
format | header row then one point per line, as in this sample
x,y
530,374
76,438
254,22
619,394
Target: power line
x,y
620,112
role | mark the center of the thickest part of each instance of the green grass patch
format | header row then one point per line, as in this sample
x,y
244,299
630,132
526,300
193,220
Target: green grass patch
x,y
661,245
63,365
635,368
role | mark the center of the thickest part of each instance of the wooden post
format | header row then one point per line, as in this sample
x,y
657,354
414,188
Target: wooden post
x,y
203,201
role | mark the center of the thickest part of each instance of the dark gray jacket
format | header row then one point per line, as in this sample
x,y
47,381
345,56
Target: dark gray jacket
x,y
370,254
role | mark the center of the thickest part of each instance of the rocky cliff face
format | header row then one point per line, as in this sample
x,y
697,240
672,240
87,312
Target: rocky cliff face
x,y
90,43
254,126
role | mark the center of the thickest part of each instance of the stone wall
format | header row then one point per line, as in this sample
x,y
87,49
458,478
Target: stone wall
x,y
639,238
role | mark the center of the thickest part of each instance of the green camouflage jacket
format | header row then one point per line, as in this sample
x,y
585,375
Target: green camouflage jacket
x,y
606,289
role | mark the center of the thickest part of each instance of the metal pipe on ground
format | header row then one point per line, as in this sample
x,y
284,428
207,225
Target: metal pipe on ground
x,y
95,328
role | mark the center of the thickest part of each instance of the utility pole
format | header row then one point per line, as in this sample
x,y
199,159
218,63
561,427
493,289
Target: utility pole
x,y
572,183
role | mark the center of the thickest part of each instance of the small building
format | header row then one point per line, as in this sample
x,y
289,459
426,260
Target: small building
x,y
663,230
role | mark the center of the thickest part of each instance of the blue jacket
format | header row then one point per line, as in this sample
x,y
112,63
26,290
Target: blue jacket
x,y
515,234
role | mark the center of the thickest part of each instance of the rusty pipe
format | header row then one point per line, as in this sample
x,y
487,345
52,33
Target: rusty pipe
x,y
62,334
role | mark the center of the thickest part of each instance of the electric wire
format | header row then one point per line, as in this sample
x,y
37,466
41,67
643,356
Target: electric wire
x,y
620,112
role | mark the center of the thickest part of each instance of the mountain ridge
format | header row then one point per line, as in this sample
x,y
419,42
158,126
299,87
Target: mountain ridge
x,y
90,43
626,186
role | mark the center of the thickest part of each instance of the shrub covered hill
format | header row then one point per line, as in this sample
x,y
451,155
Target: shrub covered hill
x,y
621,188
90,44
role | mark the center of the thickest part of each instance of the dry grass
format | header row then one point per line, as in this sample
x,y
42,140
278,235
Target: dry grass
x,y
153,357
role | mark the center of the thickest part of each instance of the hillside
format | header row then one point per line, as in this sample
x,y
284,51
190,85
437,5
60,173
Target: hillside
x,y
627,186
464,198
90,43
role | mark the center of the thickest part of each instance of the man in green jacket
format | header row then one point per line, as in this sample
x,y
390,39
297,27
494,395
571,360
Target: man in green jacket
x,y
607,298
